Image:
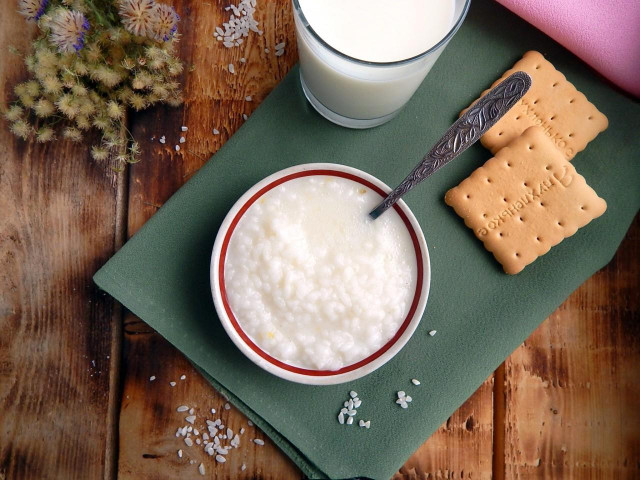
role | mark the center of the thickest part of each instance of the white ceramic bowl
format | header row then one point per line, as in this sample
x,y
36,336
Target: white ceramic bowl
x,y
251,349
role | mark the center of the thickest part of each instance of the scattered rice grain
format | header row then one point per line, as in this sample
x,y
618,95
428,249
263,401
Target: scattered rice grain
x,y
257,441
182,408
220,459
188,441
201,469
349,420
415,382
152,378
432,332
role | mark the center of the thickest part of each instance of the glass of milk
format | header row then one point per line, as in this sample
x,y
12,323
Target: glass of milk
x,y
362,60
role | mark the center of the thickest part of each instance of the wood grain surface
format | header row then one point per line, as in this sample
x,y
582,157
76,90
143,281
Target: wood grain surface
x,y
75,390
573,388
57,350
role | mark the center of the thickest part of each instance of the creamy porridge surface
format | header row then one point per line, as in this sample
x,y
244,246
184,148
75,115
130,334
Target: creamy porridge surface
x,y
313,280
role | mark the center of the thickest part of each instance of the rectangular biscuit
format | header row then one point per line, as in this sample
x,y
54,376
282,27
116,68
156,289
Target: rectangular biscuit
x,y
554,104
525,200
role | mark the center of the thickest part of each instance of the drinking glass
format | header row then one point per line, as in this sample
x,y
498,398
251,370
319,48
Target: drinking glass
x,y
356,93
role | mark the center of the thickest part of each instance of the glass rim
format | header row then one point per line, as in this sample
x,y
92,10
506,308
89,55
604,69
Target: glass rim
x,y
298,9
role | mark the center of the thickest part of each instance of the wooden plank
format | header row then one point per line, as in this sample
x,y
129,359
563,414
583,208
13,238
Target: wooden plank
x,y
57,344
461,447
572,388
215,98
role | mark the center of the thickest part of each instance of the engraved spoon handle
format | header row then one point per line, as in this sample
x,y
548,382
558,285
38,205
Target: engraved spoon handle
x,y
462,134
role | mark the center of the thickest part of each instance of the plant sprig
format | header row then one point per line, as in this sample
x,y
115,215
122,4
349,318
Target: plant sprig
x,y
94,60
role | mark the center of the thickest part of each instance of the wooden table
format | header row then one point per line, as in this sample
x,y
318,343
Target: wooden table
x,y
75,396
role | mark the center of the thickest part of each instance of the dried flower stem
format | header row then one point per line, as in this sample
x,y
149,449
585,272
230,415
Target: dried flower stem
x,y
91,63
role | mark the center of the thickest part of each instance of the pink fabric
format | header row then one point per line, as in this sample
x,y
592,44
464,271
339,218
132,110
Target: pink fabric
x,y
603,33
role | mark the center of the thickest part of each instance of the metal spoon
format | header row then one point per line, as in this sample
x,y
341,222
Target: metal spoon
x,y
462,134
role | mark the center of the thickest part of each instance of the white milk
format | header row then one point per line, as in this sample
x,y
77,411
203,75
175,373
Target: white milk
x,y
372,31
313,280
380,30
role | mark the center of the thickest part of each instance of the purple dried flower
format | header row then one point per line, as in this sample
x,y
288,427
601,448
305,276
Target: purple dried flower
x,y
32,9
165,22
138,16
68,29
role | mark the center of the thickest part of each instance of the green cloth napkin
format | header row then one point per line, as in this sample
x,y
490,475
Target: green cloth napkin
x,y
481,314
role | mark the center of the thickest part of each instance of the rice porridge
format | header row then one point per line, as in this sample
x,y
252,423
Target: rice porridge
x,y
313,280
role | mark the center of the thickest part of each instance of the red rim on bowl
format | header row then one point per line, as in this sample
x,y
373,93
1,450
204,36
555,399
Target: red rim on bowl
x,y
218,275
